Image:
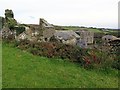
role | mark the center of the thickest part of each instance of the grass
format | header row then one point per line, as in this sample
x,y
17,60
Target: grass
x,y
23,70
89,29
95,30
0,64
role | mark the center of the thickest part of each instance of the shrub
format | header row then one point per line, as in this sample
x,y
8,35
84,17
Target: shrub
x,y
88,58
53,49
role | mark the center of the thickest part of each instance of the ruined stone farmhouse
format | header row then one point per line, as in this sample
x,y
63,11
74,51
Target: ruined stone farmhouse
x,y
43,32
38,32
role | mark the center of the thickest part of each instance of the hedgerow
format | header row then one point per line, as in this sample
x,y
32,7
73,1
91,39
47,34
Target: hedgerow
x,y
88,58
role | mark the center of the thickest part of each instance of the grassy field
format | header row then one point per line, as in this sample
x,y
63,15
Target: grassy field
x,y
23,70
95,30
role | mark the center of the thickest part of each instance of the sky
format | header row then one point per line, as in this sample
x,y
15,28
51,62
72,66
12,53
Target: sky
x,y
89,13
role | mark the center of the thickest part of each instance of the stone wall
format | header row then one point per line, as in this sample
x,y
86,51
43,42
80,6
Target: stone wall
x,y
10,22
87,36
43,25
9,13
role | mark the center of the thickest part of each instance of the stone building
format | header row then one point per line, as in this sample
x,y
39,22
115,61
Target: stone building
x,y
67,37
29,34
44,31
108,38
7,24
48,33
47,30
44,25
86,36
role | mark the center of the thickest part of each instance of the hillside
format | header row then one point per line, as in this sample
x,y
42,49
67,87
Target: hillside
x,y
22,69
92,29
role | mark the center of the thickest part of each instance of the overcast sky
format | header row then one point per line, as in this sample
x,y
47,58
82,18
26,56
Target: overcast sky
x,y
90,13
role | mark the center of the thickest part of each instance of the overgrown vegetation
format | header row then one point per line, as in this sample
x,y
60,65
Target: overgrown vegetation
x,y
24,70
88,58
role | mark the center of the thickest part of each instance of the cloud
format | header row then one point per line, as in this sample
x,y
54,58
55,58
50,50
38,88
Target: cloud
x,y
99,13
